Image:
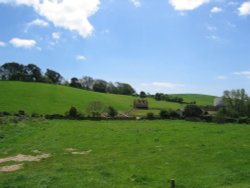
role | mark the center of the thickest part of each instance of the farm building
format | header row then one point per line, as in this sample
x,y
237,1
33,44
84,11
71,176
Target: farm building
x,y
141,104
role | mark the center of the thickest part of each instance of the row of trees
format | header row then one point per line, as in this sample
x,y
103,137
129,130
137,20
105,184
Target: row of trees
x,y
165,97
102,86
29,73
32,73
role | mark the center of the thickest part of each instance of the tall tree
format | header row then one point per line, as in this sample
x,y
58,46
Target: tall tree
x,y
53,77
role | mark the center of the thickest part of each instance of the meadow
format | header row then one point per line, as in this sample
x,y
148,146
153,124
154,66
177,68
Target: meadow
x,y
127,154
49,98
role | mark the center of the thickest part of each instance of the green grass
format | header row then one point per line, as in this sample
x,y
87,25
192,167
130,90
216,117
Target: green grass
x,y
129,154
198,98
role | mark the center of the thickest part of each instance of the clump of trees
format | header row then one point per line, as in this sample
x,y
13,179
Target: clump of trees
x,y
236,107
169,98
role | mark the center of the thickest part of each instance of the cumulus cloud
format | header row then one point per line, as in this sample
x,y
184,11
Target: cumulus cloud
x,y
216,10
56,36
136,3
2,44
244,9
245,74
80,58
22,43
183,5
68,14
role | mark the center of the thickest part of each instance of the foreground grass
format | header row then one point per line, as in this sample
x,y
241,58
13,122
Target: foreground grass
x,y
128,154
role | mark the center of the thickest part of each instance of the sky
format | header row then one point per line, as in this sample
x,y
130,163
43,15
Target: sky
x,y
169,46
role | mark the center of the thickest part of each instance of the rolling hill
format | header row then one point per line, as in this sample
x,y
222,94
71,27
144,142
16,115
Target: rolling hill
x,y
47,99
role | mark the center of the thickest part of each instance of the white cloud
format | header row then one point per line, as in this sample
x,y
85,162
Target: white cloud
x,y
2,44
136,3
216,10
161,87
22,43
211,28
243,73
56,36
38,22
68,14
221,77
80,58
244,8
182,5
214,38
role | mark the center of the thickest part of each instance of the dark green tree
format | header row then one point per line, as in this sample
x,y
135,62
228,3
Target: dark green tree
x,y
53,77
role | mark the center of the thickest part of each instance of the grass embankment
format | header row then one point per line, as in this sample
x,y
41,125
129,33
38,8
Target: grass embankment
x,y
128,154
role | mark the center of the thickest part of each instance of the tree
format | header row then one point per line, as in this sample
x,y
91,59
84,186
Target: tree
x,y
111,88
125,89
74,82
95,109
100,86
87,82
13,71
236,103
53,77
143,95
73,112
111,111
33,73
192,110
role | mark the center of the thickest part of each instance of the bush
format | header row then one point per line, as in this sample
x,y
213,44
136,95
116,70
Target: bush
x,y
35,115
164,114
243,120
111,111
21,113
73,112
192,110
54,116
150,116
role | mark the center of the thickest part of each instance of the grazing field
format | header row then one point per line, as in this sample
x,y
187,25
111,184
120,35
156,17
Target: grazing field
x,y
47,98
125,154
198,98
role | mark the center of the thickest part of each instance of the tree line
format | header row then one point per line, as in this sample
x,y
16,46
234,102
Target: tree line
x,y
32,73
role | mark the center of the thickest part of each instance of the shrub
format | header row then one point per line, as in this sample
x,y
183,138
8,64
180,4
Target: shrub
x,y
244,120
35,115
150,116
21,113
111,111
192,110
73,112
164,114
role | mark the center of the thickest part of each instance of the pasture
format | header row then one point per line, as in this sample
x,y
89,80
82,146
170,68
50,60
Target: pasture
x,y
125,154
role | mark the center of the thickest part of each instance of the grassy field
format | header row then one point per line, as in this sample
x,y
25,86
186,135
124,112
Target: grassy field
x,y
46,99
128,154
198,98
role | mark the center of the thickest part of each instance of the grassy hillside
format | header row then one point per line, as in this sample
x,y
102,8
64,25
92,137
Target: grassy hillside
x,y
46,98
127,154
198,98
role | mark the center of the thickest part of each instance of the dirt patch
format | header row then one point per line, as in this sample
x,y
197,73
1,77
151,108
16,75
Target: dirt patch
x,y
77,152
81,152
11,168
20,158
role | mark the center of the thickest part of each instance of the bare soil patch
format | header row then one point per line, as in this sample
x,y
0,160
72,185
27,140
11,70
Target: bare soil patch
x,y
11,168
21,158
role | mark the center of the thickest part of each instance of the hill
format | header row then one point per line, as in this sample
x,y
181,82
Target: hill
x,y
198,98
47,99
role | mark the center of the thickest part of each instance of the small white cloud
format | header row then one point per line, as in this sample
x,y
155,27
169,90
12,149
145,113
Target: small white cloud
x,y
244,9
211,28
216,10
56,36
136,3
221,78
22,43
184,5
2,44
245,74
38,22
161,87
80,58
214,38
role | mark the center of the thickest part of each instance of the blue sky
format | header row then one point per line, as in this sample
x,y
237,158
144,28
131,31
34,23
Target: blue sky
x,y
170,46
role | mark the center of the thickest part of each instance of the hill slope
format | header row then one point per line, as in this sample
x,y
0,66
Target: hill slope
x,y
47,99
198,98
